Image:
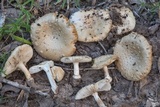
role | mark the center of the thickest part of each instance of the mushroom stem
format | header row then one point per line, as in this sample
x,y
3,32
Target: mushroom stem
x,y
76,70
106,73
50,78
98,100
22,67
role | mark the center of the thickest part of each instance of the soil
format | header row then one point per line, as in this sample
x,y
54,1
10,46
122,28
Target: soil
x,y
124,93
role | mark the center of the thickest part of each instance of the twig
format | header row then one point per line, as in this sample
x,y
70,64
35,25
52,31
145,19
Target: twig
x,y
28,89
100,4
2,7
102,47
129,94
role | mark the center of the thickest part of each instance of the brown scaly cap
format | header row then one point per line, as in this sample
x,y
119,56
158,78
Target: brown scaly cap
x,y
53,36
134,56
91,25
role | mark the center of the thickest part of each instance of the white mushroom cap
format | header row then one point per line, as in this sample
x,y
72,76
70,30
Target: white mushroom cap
x,y
53,36
76,60
103,85
73,59
92,89
134,56
85,92
103,60
92,25
37,68
18,59
57,73
123,19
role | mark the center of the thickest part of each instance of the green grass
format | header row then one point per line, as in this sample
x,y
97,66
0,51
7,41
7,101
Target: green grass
x,y
64,3
153,8
19,26
3,59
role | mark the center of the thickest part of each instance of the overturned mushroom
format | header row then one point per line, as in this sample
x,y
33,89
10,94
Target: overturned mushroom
x,y
102,85
76,60
17,61
57,73
46,66
103,62
123,19
91,25
134,56
53,36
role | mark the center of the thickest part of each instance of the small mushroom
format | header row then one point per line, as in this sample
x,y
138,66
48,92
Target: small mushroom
x,y
46,66
76,60
57,73
102,85
134,56
53,36
123,19
92,25
102,62
17,61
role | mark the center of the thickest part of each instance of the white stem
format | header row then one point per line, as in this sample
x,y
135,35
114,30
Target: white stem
x,y
54,86
106,73
76,70
98,100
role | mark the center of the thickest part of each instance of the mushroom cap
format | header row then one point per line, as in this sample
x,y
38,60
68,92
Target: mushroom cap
x,y
53,36
103,60
102,85
85,92
123,19
21,54
92,25
134,56
37,68
58,73
72,59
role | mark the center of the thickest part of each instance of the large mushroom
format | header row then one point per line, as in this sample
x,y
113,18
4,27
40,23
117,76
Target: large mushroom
x,y
92,25
93,89
17,61
53,36
134,56
76,60
123,19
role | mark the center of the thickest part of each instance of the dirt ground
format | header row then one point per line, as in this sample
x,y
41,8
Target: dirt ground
x,y
124,93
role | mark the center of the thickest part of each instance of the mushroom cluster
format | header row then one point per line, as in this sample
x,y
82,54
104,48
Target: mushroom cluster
x,y
54,37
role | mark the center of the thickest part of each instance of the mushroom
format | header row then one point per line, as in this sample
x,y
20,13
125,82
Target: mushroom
x,y
46,66
92,89
76,60
17,61
92,25
134,56
102,62
123,19
57,73
53,36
